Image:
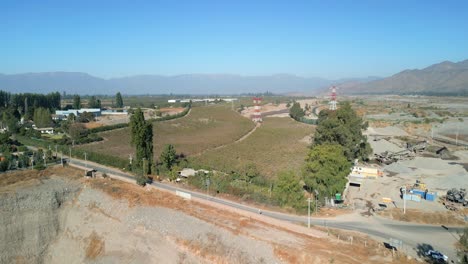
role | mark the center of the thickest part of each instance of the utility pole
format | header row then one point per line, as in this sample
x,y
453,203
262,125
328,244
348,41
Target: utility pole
x,y
32,161
56,154
316,201
432,133
44,157
86,160
61,158
308,220
207,185
69,148
404,200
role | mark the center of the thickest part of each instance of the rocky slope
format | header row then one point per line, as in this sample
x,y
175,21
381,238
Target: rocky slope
x,y
445,78
30,221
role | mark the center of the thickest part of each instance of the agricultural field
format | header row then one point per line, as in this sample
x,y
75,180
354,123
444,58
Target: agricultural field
x,y
278,144
203,128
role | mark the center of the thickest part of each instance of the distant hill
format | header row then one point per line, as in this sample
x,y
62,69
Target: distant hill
x,y
82,83
445,78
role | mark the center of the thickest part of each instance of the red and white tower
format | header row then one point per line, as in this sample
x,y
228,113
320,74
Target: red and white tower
x,y
257,116
333,98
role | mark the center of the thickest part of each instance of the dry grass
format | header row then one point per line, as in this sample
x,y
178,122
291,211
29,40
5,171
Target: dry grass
x,y
96,246
204,128
417,216
93,125
12,179
275,146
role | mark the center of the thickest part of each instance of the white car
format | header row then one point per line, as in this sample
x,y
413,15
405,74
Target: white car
x,y
436,255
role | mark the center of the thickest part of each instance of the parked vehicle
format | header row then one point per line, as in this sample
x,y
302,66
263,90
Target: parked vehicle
x,y
436,255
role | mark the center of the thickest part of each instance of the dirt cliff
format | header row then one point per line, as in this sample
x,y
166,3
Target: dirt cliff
x,y
29,219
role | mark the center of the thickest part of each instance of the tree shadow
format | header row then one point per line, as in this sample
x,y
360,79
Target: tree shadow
x,y
421,249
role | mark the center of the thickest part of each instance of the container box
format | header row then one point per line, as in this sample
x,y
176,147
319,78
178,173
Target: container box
x,y
416,198
431,196
421,193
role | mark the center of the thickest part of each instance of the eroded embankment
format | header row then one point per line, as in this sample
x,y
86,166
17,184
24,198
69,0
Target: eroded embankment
x,y
29,219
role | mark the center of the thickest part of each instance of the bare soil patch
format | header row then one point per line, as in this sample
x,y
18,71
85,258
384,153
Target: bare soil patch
x,y
96,246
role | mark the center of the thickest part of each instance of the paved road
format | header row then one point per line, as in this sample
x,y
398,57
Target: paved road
x,y
415,237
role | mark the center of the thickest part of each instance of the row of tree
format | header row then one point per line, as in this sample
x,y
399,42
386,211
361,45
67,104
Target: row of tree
x,y
94,102
141,132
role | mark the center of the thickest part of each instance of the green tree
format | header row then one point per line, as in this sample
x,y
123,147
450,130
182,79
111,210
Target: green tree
x,y
296,112
326,169
462,250
76,102
77,131
250,172
288,191
343,127
118,100
85,117
42,117
142,139
168,156
94,103
10,119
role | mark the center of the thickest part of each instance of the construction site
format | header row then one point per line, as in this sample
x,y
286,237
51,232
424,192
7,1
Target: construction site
x,y
413,169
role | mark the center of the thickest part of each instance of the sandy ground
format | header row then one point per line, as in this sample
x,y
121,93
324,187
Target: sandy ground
x,y
385,131
106,120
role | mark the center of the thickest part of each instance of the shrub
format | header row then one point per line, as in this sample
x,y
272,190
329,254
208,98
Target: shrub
x,y
141,180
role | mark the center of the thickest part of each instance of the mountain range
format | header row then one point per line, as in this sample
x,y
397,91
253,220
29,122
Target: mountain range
x,y
83,83
445,78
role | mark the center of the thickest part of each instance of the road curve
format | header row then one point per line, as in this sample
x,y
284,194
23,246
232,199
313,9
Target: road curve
x,y
412,235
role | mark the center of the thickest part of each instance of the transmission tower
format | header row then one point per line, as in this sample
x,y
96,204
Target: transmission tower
x,y
257,116
333,98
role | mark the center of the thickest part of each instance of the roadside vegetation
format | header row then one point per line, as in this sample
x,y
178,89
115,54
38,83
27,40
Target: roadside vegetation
x,y
462,246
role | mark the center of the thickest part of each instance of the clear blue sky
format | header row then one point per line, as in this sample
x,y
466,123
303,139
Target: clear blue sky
x,y
330,39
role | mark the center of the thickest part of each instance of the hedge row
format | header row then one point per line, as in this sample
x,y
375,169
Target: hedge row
x,y
104,159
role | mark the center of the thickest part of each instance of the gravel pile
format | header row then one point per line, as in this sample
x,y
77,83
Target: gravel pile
x,y
383,145
397,168
386,131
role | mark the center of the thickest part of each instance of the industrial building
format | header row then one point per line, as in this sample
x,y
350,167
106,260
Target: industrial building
x,y
63,114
